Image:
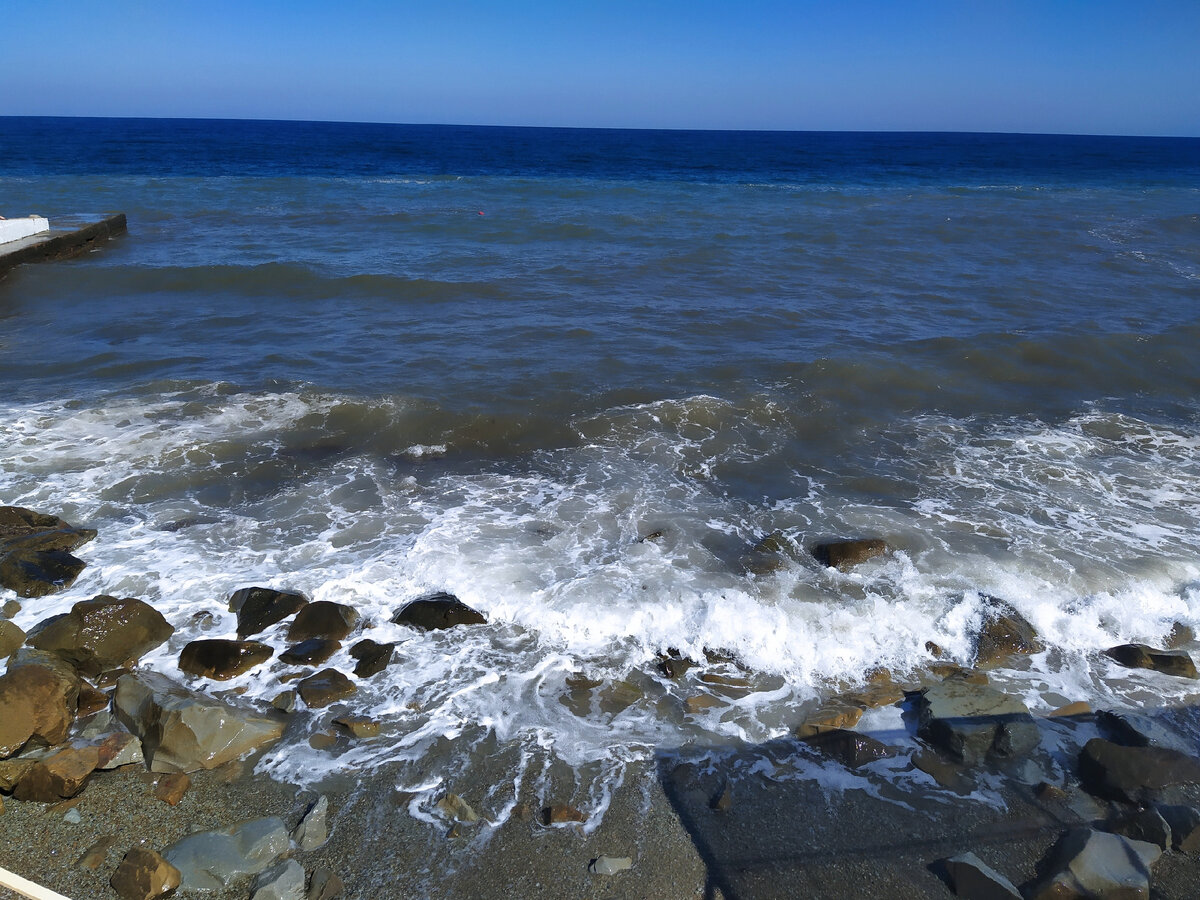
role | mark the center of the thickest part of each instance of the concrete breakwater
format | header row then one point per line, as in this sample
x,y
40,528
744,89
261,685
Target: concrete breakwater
x,y
67,236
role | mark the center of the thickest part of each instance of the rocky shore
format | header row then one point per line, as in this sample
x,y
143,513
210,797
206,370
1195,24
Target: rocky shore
x,y
118,781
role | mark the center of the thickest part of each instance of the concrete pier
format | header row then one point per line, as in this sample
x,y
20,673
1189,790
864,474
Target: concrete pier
x,y
68,236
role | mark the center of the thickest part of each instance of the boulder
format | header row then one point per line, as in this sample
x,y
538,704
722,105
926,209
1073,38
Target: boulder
x,y
1005,633
21,527
845,555
1184,822
1137,730
259,608
437,611
11,637
209,860
36,701
1133,774
849,748
1090,863
60,775
282,881
972,878
974,721
312,652
222,659
313,830
323,619
102,633
325,687
372,657
324,884
181,730
1147,825
144,875
35,551
1139,656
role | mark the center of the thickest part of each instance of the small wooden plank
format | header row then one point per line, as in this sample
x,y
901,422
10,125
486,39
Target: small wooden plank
x,y
67,237
27,888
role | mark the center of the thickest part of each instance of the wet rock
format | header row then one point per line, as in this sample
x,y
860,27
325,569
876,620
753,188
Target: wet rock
x,y
13,770
1139,656
313,830
849,748
561,813
673,665
832,716
222,659
1184,822
609,865
723,800
700,702
322,740
974,721
38,702
325,687
21,527
181,730
120,748
259,608
770,554
91,700
102,633
323,619
60,775
324,884
1145,825
144,875
619,696
35,557
972,878
312,652
209,860
282,881
372,657
946,773
845,555
10,609
11,637
1133,774
358,726
171,788
457,808
1089,863
1077,709
1181,635
437,611
1136,730
285,701
1005,633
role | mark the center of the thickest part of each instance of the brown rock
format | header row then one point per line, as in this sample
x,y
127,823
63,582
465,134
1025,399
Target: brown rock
x,y
102,633
560,813
24,527
948,774
1078,708
10,609
830,717
222,659
58,776
322,740
845,555
94,856
35,557
372,657
119,749
11,637
358,726
35,702
13,770
849,748
700,702
1005,633
172,787
91,700
323,619
144,875
437,611
312,652
324,885
1139,656
259,608
1180,636
327,686
672,665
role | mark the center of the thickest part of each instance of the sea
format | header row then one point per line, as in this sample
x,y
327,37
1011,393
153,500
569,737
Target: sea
x,y
573,377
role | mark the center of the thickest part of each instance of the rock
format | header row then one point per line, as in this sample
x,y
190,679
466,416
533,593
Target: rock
x,y
327,686
322,740
1184,822
609,865
21,527
282,881
35,557
1133,774
1089,863
1005,633
372,657
1077,709
120,748
1136,730
36,701
10,609
358,726
672,665
722,801
11,637
700,702
457,808
312,652
946,773
91,700
323,619
849,748
974,721
58,776
832,716
1181,635
1139,656
209,860
313,830
144,875
1145,825
222,659
845,555
13,770
285,701
259,608
171,788
560,813
972,878
437,611
96,855
102,633
324,885
181,730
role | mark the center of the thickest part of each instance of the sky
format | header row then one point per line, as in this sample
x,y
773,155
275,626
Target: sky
x,y
1059,66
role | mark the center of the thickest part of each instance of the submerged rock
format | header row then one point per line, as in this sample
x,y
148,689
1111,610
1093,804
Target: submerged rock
x,y
847,554
209,860
144,875
974,721
1133,774
222,659
181,730
561,813
1139,656
849,748
325,687
323,619
1089,863
973,879
457,808
102,633
259,608
437,611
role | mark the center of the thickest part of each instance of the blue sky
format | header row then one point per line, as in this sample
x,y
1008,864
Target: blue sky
x,y
1078,66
